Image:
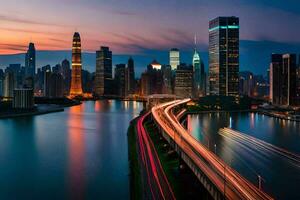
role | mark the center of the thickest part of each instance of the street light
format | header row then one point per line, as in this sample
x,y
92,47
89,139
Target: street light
x,y
215,149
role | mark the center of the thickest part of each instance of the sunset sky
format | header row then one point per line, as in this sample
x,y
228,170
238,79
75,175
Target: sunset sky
x,y
135,26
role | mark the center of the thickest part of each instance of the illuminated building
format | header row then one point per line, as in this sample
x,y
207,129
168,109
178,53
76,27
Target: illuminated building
x,y
103,72
174,58
23,98
199,74
30,63
224,56
156,65
76,82
184,81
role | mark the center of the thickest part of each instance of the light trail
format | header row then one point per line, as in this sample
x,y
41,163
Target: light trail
x,y
251,141
158,183
221,175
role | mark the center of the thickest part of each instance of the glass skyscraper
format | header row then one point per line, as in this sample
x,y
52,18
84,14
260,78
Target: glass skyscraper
x,y
103,71
30,63
224,56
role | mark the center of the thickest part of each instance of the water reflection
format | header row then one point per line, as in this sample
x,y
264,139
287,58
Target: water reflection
x,y
76,142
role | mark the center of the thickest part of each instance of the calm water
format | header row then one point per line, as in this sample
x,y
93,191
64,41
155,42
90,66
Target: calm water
x,y
281,176
80,153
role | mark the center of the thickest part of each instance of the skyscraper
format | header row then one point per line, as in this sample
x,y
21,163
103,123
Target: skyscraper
x,y
76,82
131,76
199,74
103,71
30,62
224,56
283,79
66,72
174,58
120,79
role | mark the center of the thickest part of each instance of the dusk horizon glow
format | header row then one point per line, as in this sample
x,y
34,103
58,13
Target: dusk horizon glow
x,y
132,26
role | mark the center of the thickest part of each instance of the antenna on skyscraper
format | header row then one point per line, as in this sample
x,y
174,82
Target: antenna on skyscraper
x,y
195,41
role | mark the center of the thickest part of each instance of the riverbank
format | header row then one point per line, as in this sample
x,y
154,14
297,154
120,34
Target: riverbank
x,y
259,111
39,110
135,178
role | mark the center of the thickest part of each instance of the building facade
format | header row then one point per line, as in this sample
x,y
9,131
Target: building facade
x,y
184,81
224,56
174,57
23,99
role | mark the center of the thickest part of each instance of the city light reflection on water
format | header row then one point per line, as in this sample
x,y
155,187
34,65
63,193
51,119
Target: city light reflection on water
x,y
77,154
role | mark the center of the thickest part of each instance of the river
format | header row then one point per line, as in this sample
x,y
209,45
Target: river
x,y
81,153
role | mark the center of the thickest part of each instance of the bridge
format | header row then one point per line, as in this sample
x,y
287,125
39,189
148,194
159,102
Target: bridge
x,y
219,179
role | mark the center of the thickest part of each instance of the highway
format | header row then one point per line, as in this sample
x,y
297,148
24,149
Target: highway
x,y
153,172
226,179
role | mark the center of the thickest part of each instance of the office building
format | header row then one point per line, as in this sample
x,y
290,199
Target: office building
x,y
23,98
174,57
224,56
30,61
184,81
76,80
103,72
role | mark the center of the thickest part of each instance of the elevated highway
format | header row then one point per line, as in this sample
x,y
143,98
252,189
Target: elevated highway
x,y
220,180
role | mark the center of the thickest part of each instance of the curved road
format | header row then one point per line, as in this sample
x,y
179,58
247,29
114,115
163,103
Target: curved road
x,y
153,171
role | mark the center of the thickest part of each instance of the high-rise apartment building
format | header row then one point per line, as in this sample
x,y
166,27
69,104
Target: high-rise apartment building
x,y
224,56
